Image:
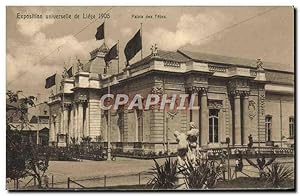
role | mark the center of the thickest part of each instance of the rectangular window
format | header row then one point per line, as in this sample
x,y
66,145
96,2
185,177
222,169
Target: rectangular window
x,y
213,126
140,130
268,127
291,127
121,122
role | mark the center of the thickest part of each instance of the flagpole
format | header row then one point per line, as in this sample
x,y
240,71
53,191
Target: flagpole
x,y
142,40
63,105
38,128
55,83
118,57
109,126
104,31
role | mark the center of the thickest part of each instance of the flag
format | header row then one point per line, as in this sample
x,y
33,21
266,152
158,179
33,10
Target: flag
x,y
100,32
112,53
133,46
70,72
50,81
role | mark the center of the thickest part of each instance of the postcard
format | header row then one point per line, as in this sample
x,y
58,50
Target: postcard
x,y
150,98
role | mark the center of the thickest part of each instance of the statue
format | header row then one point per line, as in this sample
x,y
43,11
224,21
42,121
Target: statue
x,y
65,73
79,65
186,150
192,137
182,147
187,144
51,93
182,150
250,140
154,50
259,64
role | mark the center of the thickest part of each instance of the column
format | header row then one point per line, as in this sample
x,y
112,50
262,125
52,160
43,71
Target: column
x,y
195,112
204,119
222,129
75,121
87,120
52,129
61,126
237,119
65,123
84,110
71,127
246,131
57,120
80,121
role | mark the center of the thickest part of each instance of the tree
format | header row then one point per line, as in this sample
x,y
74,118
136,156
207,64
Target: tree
x,y
37,163
22,159
15,156
15,151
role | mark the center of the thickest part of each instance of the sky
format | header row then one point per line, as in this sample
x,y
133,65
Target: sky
x,y
38,48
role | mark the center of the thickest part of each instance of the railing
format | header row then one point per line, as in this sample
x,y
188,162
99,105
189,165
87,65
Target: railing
x,y
69,181
250,152
138,150
107,181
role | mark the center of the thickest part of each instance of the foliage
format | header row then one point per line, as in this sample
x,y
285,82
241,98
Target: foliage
x,y
164,176
20,110
201,174
37,163
73,140
261,165
278,173
22,159
253,183
15,155
86,140
99,138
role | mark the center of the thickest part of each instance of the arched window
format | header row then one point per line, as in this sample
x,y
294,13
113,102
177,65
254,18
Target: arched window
x,y
213,126
268,127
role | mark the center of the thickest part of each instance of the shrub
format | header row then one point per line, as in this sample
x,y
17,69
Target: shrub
x,y
164,176
200,175
278,173
261,164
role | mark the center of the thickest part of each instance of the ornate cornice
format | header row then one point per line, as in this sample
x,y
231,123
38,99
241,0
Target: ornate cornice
x,y
171,64
215,104
215,68
239,87
158,90
67,105
243,93
196,89
78,101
